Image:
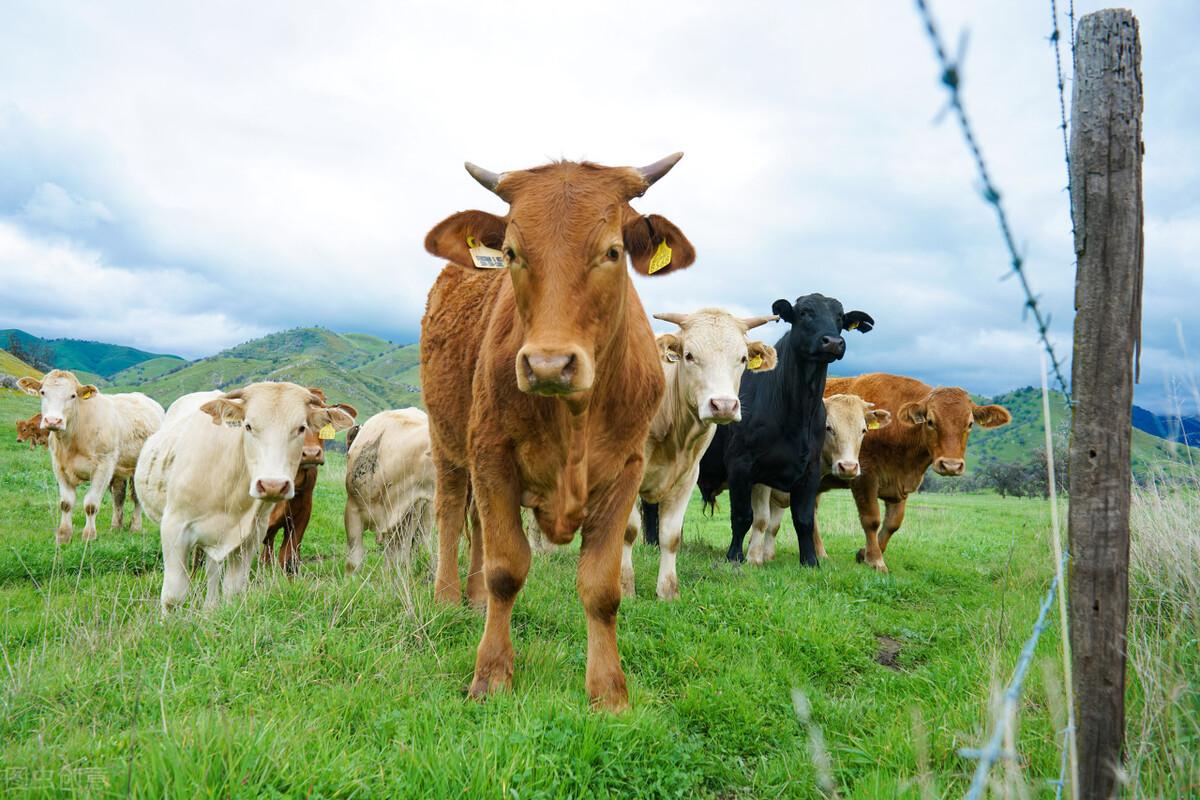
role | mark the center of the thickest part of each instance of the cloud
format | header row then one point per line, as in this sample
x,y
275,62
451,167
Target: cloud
x,y
289,163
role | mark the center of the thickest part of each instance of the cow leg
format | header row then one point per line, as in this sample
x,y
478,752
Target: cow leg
x,y
741,513
117,489
804,511
818,543
212,572
66,505
175,553
296,525
673,508
352,519
506,558
599,583
633,529
760,504
477,593
650,520
866,498
136,525
101,478
773,527
450,497
267,554
237,568
893,518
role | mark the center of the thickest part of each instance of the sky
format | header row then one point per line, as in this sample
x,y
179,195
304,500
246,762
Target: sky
x,y
184,177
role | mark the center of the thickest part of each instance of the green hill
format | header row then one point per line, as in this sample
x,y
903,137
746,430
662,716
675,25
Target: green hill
x,y
11,365
357,368
92,359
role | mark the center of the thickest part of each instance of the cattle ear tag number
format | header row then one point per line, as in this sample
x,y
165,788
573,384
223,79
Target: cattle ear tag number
x,y
661,258
755,362
873,424
484,257
327,432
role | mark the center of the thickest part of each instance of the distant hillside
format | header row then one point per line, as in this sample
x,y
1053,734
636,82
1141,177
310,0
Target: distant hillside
x,y
370,373
11,365
93,358
1174,429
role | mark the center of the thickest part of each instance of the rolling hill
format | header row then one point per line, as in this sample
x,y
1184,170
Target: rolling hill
x,y
88,360
11,365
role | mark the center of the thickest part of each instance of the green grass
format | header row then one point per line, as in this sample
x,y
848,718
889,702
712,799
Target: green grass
x,y
336,686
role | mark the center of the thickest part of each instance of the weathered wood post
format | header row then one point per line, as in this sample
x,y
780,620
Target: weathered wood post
x,y
1106,202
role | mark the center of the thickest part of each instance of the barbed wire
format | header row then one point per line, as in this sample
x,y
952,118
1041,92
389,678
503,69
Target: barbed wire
x,y
951,78
1062,101
994,750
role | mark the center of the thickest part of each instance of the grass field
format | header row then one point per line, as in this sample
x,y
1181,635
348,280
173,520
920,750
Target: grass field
x,y
336,686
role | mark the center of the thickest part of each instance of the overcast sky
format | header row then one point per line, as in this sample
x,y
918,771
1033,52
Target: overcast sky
x,y
182,179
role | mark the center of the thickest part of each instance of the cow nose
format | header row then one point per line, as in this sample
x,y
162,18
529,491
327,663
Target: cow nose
x,y
273,488
949,466
52,423
313,454
834,345
847,469
549,371
724,409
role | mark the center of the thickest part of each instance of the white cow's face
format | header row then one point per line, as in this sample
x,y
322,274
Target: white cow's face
x,y
60,393
274,419
847,419
711,352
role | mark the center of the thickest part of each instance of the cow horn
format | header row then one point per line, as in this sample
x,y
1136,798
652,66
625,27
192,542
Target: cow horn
x,y
754,322
487,179
676,319
654,171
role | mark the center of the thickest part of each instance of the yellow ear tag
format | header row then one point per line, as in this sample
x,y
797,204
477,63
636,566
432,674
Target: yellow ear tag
x,y
484,257
661,258
851,327
327,432
86,395
755,362
873,424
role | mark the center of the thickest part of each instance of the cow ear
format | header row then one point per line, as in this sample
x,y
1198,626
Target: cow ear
x,y
857,321
448,239
878,418
87,391
783,309
912,413
349,409
991,416
670,347
760,357
30,385
656,246
333,415
224,411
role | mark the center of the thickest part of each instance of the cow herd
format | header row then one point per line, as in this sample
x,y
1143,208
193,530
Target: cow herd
x,y
552,408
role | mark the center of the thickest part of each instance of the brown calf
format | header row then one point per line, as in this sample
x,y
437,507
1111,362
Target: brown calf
x,y
31,430
291,516
931,429
541,379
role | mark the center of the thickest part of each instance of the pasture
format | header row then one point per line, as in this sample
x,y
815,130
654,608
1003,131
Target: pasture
x,y
336,686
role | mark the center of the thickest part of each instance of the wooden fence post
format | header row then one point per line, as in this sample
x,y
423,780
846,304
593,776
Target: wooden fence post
x,y
1106,203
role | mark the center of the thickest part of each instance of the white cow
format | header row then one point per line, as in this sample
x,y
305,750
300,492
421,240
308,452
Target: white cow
x,y
389,484
215,470
847,419
94,437
703,363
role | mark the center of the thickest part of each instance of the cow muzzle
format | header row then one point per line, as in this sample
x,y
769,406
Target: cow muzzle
x,y
273,489
950,467
833,346
53,423
721,410
846,469
312,456
552,370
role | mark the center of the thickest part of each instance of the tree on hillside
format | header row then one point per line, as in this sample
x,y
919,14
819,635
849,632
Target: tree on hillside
x,y
38,356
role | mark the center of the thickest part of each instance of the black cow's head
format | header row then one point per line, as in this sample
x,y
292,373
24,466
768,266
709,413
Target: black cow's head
x,y
817,323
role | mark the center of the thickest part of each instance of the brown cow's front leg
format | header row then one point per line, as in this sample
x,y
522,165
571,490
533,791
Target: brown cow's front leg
x,y
599,583
450,499
867,499
893,518
817,542
506,558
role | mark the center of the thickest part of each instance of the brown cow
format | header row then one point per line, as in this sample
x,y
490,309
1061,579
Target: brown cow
x,y
932,427
31,430
291,516
541,379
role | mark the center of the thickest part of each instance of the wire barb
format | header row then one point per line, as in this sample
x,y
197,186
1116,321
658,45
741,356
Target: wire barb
x,y
951,78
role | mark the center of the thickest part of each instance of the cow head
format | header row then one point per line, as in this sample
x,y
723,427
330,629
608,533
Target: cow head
x,y
847,419
61,393
275,420
946,417
24,430
711,352
313,453
564,243
817,323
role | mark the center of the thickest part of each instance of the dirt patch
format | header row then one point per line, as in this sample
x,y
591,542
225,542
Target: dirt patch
x,y
889,652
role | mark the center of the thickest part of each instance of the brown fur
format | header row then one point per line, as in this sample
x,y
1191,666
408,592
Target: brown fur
x,y
894,459
575,458
31,430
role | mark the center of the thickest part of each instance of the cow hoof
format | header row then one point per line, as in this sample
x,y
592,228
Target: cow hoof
x,y
669,589
483,685
754,558
448,595
609,694
62,537
89,534
135,527
628,588
861,555
880,568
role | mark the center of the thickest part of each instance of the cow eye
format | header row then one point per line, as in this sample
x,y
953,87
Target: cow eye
x,y
510,254
929,422
743,359
613,253
247,426
864,430
829,429
688,357
72,397
302,429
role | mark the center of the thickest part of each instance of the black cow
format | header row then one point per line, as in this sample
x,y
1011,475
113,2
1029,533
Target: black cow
x,y
778,442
